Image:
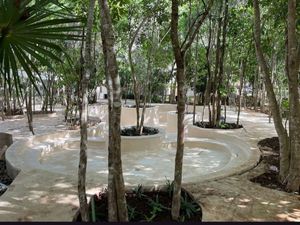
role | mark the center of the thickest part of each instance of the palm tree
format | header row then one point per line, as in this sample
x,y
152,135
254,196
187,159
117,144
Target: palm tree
x,y
29,35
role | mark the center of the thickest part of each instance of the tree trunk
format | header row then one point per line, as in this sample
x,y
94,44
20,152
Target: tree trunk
x,y
263,98
207,93
147,89
195,82
51,92
180,77
179,51
68,101
256,85
217,68
282,134
242,72
7,99
293,58
146,92
33,93
28,99
221,63
136,88
87,72
117,207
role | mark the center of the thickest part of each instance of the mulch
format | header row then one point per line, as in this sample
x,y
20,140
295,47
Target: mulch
x,y
148,206
225,126
132,131
4,178
270,156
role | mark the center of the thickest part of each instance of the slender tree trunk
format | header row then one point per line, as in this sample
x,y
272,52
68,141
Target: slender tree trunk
x,y
147,89
217,68
263,98
51,93
46,98
207,93
29,108
136,89
179,51
221,64
256,85
146,93
282,134
225,109
14,101
87,72
195,82
2,109
68,101
7,99
117,207
293,61
180,77
195,99
33,96
173,85
242,72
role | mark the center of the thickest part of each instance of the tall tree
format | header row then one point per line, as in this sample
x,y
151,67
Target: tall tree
x,y
117,207
282,133
179,50
136,84
83,95
293,63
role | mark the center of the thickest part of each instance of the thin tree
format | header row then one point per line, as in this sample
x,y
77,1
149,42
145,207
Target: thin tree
x,y
28,101
242,77
117,207
179,50
136,85
282,133
84,115
293,64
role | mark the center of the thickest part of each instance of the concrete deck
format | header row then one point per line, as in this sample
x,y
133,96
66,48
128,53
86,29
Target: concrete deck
x,y
29,199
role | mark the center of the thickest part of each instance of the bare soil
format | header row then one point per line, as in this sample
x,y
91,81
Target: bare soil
x,y
270,156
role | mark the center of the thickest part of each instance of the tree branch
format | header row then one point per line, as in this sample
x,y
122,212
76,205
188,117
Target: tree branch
x,y
191,36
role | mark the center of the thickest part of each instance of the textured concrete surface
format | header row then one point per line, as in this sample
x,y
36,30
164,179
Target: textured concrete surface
x,y
228,199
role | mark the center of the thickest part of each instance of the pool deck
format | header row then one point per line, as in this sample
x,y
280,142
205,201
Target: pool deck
x,y
232,198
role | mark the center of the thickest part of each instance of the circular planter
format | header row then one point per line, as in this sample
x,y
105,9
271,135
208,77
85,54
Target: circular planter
x,y
14,117
128,116
98,111
143,143
38,114
248,156
172,121
163,111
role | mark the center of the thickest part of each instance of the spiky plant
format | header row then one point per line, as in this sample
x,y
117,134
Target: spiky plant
x,y
30,31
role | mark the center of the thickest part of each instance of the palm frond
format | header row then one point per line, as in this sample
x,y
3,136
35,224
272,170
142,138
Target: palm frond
x,y
29,35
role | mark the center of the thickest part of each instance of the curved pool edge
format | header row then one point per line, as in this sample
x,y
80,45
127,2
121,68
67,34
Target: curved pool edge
x,y
44,196
238,136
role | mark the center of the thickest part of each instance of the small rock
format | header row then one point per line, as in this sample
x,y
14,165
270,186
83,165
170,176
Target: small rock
x,y
273,168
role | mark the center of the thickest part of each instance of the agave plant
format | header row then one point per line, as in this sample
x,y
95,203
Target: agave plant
x,y
30,31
